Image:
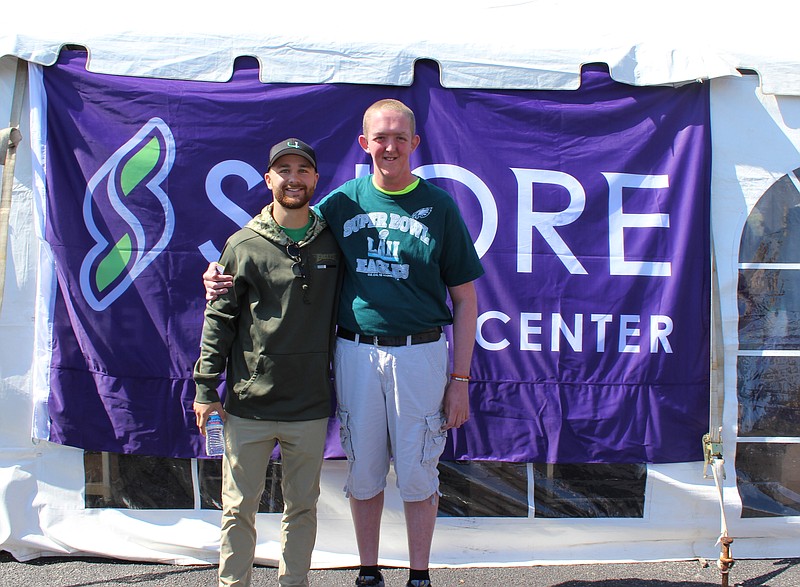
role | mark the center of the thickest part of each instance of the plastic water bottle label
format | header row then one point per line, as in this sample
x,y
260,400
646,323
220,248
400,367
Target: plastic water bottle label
x,y
215,441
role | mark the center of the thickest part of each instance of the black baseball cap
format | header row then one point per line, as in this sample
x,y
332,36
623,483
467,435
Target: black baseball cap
x,y
292,147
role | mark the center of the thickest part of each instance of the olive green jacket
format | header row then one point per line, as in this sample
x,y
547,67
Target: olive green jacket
x,y
272,333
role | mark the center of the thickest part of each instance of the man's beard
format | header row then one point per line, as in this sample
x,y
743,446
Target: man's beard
x,y
294,202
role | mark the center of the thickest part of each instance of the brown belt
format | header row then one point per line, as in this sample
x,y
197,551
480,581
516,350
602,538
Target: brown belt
x,y
431,335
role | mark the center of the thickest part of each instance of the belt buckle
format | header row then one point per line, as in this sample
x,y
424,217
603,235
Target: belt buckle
x,y
375,340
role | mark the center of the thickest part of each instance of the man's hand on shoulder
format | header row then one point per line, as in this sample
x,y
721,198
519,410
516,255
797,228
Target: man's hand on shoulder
x,y
216,281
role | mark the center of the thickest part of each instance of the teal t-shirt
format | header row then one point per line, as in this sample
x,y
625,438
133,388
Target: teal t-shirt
x,y
401,254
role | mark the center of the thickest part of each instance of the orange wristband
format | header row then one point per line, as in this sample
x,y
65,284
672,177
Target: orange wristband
x,y
457,377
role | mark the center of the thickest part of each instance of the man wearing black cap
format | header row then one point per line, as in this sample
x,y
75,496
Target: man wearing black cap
x,y
271,334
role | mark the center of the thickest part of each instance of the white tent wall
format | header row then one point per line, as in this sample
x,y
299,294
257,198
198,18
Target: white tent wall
x,y
755,141
21,470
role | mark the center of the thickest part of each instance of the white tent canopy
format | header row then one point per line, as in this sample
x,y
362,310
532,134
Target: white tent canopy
x,y
528,45
490,45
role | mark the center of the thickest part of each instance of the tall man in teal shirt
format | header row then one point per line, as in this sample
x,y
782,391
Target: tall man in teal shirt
x,y
405,248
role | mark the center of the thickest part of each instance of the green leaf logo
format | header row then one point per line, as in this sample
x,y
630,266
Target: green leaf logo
x,y
119,213
139,166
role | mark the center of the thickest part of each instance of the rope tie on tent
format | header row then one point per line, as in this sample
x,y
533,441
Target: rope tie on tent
x,y
9,139
714,460
712,442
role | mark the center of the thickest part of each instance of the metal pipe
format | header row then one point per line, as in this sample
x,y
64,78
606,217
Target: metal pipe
x,y
726,561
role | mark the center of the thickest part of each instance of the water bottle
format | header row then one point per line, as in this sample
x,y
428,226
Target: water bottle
x,y
215,441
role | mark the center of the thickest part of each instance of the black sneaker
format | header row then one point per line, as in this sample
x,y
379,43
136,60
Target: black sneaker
x,y
370,581
419,583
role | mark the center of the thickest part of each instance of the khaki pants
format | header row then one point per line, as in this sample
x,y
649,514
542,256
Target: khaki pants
x,y
248,446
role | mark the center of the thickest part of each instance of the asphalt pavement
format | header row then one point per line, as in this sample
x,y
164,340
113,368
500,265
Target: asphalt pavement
x,y
84,572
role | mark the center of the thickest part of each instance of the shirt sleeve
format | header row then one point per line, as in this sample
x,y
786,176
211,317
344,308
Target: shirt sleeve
x,y
219,330
460,263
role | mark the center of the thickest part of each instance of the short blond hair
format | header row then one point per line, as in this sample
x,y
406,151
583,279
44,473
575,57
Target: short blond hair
x,y
390,104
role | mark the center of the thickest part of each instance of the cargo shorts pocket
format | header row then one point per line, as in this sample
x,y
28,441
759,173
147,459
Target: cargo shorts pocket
x,y
435,438
344,434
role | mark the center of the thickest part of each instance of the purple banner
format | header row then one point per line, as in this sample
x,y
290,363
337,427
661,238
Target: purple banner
x,y
589,208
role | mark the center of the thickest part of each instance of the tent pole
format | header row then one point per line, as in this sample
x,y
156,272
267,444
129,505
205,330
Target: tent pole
x,y
717,355
712,441
10,139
